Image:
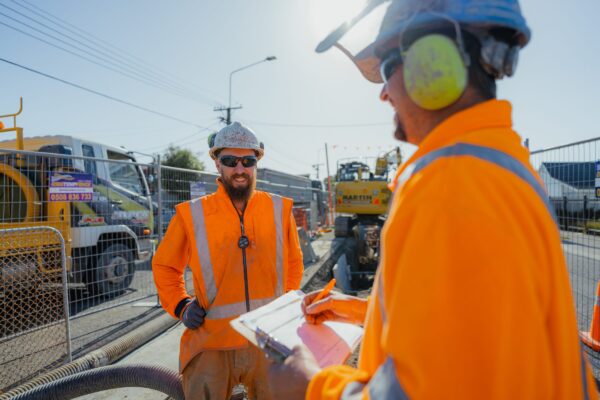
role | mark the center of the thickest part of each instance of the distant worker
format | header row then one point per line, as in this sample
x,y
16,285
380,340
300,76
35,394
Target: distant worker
x,y
242,247
472,297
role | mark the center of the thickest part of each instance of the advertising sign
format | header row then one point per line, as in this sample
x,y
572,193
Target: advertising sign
x,y
197,189
597,180
69,186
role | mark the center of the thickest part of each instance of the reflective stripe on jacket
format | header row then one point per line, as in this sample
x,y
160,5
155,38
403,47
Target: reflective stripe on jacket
x,y
204,234
472,298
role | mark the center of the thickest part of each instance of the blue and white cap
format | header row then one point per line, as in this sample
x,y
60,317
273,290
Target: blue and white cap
x,y
405,15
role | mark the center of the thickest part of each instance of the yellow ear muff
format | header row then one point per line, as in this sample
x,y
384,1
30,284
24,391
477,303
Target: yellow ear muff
x,y
434,70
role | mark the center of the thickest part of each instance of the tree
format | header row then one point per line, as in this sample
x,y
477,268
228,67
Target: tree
x,y
181,158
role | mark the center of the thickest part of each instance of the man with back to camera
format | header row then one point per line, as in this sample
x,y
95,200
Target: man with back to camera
x,y
242,247
472,298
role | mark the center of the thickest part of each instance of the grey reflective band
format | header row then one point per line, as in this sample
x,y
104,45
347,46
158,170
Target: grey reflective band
x,y
235,309
353,391
380,296
278,210
384,384
210,287
494,156
586,395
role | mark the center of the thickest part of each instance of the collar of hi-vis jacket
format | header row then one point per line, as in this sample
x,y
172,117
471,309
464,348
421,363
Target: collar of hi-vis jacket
x,y
488,115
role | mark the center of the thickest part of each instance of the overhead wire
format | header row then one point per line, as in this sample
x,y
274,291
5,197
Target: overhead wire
x,y
104,55
101,43
100,93
356,125
184,140
144,81
269,147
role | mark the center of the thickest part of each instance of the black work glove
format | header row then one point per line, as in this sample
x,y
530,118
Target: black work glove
x,y
193,315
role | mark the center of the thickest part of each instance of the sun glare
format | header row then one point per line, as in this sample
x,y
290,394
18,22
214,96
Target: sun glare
x,y
326,15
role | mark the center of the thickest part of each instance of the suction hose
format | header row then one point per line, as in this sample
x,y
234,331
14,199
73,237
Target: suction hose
x,y
112,377
99,358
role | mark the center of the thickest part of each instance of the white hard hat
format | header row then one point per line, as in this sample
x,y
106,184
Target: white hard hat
x,y
235,136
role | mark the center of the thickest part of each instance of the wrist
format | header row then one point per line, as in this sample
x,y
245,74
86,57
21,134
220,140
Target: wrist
x,y
181,306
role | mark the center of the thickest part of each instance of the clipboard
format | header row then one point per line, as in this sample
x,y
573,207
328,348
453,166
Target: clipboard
x,y
280,325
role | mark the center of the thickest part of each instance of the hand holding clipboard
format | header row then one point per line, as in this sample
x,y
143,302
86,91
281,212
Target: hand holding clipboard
x,y
278,327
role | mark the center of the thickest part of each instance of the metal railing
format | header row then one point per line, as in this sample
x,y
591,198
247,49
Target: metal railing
x,y
570,175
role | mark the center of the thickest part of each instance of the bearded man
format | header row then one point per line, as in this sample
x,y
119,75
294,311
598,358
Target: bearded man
x,y
242,247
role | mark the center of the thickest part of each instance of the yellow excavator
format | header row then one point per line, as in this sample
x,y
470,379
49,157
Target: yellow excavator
x,y
362,197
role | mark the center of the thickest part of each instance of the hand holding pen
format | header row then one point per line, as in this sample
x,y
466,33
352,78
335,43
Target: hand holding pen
x,y
324,305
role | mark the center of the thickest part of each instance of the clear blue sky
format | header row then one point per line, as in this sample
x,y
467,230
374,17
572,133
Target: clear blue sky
x,y
555,90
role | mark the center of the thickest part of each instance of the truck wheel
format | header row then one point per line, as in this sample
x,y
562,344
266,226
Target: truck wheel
x,y
343,226
113,270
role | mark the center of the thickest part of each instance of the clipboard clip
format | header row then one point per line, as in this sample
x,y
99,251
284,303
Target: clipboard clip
x,y
271,346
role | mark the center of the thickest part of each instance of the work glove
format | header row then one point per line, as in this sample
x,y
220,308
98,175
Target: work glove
x,y
334,307
193,315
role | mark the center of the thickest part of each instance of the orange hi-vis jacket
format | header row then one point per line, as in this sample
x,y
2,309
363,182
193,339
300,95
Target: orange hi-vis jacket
x,y
204,234
472,297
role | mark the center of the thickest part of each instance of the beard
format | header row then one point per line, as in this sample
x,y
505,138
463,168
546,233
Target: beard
x,y
399,132
239,192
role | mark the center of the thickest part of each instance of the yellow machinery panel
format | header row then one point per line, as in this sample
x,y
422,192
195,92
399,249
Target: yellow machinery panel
x,y
22,207
362,197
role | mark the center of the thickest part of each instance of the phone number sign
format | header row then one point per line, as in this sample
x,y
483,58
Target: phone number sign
x,y
597,180
70,187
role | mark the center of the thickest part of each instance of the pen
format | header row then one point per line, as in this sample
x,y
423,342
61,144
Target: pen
x,y
325,291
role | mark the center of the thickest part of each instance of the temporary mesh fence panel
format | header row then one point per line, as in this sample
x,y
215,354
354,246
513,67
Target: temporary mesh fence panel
x,y
34,331
570,175
112,212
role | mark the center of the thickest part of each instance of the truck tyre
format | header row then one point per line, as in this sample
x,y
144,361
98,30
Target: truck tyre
x,y
343,226
113,270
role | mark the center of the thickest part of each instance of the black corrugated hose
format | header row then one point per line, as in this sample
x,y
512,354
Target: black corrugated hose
x,y
154,377
98,358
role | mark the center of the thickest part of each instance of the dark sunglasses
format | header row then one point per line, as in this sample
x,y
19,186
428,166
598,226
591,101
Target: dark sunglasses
x,y
390,64
232,161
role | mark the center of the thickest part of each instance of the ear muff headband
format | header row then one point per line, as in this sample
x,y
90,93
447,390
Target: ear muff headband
x,y
435,74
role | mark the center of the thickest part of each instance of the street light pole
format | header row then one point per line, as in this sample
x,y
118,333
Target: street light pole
x,y
227,120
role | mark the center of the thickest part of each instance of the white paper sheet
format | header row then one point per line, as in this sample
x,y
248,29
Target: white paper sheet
x,y
330,342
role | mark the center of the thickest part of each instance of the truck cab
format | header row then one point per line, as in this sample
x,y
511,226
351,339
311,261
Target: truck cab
x,y
107,234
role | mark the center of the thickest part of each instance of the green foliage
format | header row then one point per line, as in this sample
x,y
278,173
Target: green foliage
x,y
181,158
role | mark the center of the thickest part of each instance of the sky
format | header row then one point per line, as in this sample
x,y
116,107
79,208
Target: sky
x,y
175,58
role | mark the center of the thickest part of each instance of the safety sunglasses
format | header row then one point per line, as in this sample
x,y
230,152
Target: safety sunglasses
x,y
232,161
390,64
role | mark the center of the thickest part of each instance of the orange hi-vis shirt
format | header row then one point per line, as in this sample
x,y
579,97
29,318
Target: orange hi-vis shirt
x,y
472,297
204,234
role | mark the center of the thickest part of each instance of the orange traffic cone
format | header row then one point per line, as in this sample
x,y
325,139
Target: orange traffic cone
x,y
592,338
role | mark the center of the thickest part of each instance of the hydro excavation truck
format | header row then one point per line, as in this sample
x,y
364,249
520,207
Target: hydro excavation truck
x,y
106,230
362,199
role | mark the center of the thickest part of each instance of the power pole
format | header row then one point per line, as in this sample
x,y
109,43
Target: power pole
x,y
227,120
316,167
329,185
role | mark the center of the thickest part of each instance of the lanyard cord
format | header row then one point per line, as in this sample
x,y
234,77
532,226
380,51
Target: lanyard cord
x,y
243,242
